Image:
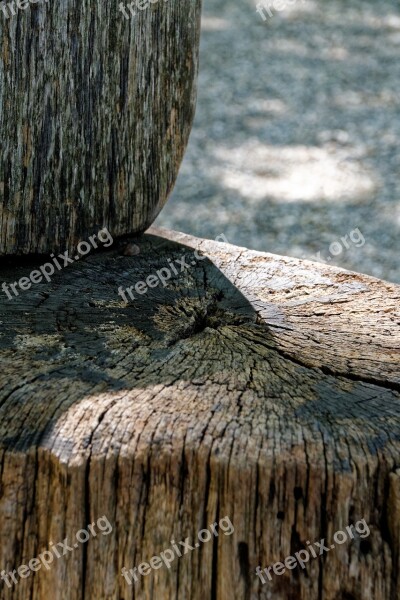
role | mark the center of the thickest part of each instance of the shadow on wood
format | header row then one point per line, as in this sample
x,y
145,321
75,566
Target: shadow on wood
x,y
252,386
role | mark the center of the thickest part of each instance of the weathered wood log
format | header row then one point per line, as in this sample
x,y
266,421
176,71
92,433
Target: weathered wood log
x,y
251,386
95,114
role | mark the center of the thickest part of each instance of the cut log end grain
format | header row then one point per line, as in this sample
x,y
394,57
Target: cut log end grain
x,y
253,386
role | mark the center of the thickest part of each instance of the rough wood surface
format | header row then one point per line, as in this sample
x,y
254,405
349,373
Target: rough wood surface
x,y
252,386
95,114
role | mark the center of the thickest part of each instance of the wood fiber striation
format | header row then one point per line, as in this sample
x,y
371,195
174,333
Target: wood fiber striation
x,y
95,115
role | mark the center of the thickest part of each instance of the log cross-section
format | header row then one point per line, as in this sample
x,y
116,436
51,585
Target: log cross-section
x,y
250,386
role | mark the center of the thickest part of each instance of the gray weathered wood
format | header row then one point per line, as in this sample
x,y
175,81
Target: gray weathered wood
x,y
95,114
252,386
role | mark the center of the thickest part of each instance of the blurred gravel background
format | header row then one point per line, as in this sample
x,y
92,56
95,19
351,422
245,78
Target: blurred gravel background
x,y
296,140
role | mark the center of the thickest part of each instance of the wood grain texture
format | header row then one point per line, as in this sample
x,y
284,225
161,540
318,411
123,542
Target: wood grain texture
x,y
95,115
252,386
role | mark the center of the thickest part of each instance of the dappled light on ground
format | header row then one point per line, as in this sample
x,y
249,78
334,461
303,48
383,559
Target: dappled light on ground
x,y
296,139
293,173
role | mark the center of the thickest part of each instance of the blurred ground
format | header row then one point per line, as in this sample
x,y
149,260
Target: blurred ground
x,y
296,140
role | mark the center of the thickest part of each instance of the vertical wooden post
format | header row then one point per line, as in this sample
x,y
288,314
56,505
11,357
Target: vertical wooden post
x,y
96,106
